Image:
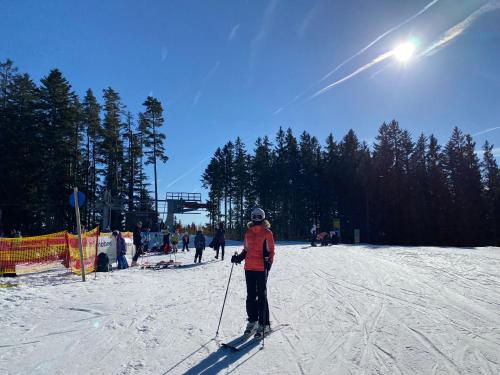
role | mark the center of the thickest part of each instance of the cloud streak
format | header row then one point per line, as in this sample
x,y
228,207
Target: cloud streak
x,y
185,174
459,28
361,51
257,40
486,131
375,61
392,29
304,25
233,32
164,53
204,81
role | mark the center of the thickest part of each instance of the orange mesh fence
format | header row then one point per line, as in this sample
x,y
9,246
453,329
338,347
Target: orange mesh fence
x,y
33,254
89,247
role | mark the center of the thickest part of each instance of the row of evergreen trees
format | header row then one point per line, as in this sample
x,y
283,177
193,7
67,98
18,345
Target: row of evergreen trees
x,y
51,140
400,192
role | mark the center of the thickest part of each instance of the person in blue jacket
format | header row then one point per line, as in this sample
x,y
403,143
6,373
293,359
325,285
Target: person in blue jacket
x,y
121,250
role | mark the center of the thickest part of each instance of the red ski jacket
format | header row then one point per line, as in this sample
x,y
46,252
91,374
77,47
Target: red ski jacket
x,y
254,242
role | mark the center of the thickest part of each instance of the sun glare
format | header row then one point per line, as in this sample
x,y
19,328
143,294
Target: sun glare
x,y
404,51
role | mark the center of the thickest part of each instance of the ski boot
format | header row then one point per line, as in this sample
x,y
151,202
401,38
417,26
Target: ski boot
x,y
251,326
262,330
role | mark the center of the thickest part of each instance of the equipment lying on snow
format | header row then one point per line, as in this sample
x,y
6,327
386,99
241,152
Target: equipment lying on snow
x,y
161,265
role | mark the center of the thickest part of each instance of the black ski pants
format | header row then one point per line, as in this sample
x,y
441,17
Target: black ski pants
x,y
221,246
138,251
185,246
199,253
257,307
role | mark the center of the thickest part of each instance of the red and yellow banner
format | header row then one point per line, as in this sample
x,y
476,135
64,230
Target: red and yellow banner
x,y
89,249
52,251
33,254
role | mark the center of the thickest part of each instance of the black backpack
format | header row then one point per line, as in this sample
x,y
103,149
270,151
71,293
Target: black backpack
x,y
102,262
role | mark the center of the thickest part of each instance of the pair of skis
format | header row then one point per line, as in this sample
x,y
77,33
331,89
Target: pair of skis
x,y
246,341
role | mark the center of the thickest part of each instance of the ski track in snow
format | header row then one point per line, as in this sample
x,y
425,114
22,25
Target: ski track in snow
x,y
343,309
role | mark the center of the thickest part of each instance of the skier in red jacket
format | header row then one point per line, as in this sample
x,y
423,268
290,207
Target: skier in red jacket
x,y
258,254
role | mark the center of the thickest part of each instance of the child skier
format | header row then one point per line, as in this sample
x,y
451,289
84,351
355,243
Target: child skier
x,y
199,244
185,241
258,253
175,240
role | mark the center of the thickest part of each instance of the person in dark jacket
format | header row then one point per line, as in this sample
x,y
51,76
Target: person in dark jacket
x,y
199,244
137,243
185,241
220,241
121,250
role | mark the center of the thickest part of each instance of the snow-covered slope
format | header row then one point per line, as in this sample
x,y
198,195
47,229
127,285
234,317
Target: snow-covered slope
x,y
340,310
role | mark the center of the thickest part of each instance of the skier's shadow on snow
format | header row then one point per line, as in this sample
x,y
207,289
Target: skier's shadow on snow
x,y
221,359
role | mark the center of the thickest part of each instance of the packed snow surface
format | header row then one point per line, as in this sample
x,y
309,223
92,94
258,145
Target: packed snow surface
x,y
336,310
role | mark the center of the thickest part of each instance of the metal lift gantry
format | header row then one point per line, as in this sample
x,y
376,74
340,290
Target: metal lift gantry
x,y
182,203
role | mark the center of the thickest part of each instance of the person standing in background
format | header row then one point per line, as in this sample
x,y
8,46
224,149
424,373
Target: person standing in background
x,y
137,243
220,241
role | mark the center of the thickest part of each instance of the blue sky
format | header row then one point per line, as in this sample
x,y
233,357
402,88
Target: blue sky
x,y
224,69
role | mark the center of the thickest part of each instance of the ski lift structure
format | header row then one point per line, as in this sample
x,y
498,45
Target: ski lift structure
x,y
181,203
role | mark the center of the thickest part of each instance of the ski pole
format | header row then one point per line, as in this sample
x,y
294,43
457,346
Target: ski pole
x,y
266,308
223,304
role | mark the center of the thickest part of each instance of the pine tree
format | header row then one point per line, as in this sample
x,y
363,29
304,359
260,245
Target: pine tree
x,y
227,162
241,175
491,194
152,120
262,175
111,153
92,127
461,167
60,137
213,180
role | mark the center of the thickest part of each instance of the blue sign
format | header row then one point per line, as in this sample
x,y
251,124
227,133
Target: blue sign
x,y
81,199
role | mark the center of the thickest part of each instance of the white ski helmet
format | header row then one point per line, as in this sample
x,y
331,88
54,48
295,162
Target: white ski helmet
x,y
258,214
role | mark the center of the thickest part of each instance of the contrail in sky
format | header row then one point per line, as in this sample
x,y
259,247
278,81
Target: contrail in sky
x,y
394,28
187,173
424,9
486,131
459,28
377,60
447,37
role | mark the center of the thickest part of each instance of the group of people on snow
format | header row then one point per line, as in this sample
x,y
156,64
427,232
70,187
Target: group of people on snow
x,y
170,243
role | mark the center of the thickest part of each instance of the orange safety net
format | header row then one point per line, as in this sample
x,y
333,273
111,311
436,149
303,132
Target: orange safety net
x,y
33,254
89,249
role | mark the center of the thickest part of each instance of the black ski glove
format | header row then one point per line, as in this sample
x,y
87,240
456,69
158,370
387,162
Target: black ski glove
x,y
238,258
267,264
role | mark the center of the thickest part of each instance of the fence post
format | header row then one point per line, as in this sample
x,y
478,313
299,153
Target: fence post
x,y
79,228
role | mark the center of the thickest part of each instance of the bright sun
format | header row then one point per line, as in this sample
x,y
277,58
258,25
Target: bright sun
x,y
404,51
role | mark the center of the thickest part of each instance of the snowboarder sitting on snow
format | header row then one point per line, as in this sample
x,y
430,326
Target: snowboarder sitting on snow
x,y
121,250
258,254
199,244
185,241
323,238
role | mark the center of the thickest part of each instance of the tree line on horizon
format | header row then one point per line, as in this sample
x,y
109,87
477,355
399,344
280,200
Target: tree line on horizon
x,y
401,191
51,140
